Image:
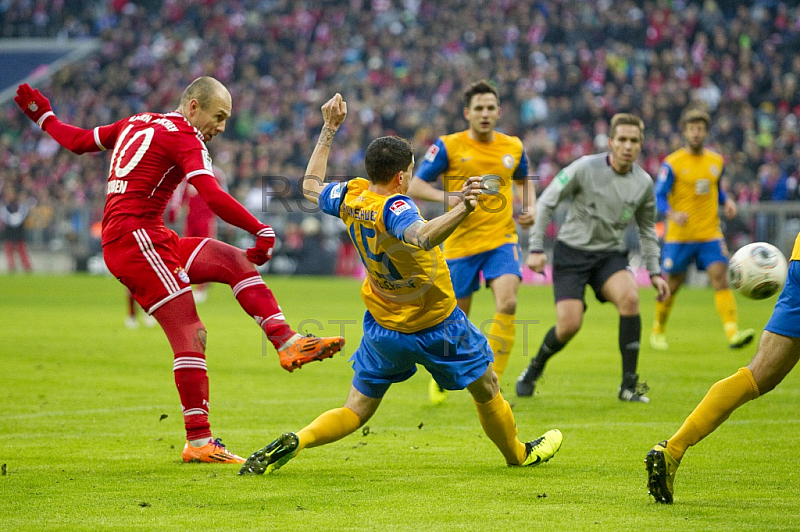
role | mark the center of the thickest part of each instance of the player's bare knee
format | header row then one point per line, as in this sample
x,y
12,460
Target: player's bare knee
x,y
568,327
628,304
507,306
485,388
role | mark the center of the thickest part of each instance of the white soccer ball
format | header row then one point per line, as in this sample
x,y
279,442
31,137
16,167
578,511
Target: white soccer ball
x,y
757,270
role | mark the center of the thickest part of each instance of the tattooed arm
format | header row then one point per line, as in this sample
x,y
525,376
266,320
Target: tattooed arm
x,y
334,112
428,235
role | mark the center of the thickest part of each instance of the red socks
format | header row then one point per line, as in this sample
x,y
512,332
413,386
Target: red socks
x,y
192,381
258,301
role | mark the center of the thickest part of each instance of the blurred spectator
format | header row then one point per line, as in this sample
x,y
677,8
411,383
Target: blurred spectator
x,y
562,70
14,210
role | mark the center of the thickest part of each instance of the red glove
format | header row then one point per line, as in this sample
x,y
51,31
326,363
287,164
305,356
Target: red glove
x,y
33,103
262,251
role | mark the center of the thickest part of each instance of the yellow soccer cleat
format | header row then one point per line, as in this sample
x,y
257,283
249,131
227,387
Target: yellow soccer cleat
x,y
661,468
659,341
542,448
213,452
308,349
740,339
436,393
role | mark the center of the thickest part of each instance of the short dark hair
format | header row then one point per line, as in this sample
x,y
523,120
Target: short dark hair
x,y
625,119
479,87
694,115
385,157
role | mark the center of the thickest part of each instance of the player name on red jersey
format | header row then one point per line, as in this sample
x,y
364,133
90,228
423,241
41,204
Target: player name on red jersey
x,y
116,186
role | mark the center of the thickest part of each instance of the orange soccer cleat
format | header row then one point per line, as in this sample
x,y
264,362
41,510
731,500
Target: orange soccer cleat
x,y
212,452
308,349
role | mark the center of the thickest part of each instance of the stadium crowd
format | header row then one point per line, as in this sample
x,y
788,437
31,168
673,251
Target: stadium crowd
x,y
562,70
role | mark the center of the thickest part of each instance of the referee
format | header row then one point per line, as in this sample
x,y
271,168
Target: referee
x,y
607,191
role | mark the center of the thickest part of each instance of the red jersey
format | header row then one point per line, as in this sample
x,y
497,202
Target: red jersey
x,y
152,154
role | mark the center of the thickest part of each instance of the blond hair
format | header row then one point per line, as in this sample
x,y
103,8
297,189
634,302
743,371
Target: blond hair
x,y
694,115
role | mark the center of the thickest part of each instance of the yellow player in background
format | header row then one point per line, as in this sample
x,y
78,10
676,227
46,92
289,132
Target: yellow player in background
x,y
688,193
486,243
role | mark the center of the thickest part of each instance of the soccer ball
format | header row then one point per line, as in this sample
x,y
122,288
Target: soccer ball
x,y
757,270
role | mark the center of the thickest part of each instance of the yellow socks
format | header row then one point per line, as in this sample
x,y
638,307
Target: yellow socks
x,y
719,403
328,427
501,340
498,423
726,308
663,309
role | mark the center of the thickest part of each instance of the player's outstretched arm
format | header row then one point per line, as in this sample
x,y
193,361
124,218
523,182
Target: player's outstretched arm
x,y
234,213
37,107
333,113
431,234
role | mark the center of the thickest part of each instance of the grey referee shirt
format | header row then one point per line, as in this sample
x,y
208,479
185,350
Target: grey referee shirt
x,y
603,202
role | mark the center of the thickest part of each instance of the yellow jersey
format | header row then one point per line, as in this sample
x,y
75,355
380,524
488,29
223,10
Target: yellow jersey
x,y
796,248
456,157
407,289
690,183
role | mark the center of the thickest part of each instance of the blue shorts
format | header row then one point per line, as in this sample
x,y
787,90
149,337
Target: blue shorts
x,y
454,352
785,318
465,272
676,256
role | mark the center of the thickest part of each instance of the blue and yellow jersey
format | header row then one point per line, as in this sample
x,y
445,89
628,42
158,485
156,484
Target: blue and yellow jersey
x,y
456,157
690,183
407,289
796,249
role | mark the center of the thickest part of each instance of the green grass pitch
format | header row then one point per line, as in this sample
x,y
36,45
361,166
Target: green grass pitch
x,y
91,429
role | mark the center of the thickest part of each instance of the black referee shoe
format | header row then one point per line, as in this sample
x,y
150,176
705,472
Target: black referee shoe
x,y
526,383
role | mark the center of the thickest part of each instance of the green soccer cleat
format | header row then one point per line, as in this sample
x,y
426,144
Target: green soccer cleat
x,y
659,341
741,338
542,448
273,456
436,393
661,468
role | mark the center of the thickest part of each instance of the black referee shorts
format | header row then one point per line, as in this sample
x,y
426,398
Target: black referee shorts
x,y
573,269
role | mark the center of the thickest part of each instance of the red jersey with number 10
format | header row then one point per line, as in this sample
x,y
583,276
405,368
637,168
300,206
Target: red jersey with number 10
x,y
152,154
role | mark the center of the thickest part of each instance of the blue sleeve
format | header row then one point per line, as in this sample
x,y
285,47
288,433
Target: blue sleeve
x,y
522,168
398,213
721,193
330,199
664,182
434,163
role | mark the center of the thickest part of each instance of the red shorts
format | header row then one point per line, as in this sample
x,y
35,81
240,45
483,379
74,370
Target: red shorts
x,y
150,262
